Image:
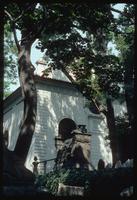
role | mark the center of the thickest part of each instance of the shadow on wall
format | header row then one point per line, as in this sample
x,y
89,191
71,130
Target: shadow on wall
x,y
100,146
54,104
12,121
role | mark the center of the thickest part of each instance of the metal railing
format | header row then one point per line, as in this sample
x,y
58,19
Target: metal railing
x,y
36,163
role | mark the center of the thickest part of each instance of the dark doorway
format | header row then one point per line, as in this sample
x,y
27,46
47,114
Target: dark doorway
x,y
66,125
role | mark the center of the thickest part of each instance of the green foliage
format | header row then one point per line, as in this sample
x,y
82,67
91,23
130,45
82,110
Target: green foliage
x,y
65,41
73,177
81,47
30,15
52,180
124,39
96,183
26,18
10,61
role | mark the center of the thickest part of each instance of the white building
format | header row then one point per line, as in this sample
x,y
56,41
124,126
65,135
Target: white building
x,y
59,105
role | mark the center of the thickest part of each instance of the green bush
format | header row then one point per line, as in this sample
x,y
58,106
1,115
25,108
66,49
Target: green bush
x,y
104,182
73,177
52,179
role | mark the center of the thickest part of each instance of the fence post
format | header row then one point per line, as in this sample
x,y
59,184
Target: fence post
x,y
35,165
45,166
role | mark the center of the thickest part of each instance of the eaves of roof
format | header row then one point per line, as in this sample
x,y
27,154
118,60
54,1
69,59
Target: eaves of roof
x,y
41,79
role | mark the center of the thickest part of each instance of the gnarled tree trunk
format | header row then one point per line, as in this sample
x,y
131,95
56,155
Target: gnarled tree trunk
x,y
26,75
112,130
129,82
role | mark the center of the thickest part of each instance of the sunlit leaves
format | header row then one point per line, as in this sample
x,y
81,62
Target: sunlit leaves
x,y
10,60
74,48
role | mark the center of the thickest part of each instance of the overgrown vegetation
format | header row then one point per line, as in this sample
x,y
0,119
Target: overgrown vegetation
x,y
107,182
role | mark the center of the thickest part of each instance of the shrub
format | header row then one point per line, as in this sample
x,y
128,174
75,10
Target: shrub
x,y
108,182
52,179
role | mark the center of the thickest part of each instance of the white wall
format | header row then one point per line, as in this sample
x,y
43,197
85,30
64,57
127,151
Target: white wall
x,y
12,119
52,108
61,103
100,148
54,104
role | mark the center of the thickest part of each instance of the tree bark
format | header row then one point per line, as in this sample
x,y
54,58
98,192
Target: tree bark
x,y
112,130
110,117
26,75
128,82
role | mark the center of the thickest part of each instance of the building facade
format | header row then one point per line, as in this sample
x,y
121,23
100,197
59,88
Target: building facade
x,y
61,108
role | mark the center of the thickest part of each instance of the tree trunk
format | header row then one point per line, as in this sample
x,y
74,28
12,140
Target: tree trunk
x,y
128,82
26,75
112,130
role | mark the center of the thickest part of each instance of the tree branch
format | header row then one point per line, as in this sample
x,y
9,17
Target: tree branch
x,y
126,14
15,38
115,10
19,17
23,11
13,29
100,108
9,15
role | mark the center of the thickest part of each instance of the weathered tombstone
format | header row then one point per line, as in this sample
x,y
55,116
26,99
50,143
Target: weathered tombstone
x,y
127,192
109,166
74,152
131,162
118,164
101,164
67,190
128,163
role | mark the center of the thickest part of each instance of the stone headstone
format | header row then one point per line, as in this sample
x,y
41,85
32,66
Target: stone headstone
x,y
109,166
75,151
101,164
128,163
66,190
118,164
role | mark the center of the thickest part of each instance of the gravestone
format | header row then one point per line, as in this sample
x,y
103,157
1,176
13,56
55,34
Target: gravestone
x,y
74,152
101,164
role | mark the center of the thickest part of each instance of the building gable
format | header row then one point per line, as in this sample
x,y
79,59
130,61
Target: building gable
x,y
43,70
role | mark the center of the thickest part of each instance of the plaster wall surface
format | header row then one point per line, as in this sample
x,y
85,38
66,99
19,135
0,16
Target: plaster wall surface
x,y
57,103
12,120
54,103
